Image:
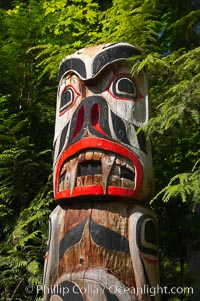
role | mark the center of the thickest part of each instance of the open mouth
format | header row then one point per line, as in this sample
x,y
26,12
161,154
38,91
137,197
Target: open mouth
x,y
95,166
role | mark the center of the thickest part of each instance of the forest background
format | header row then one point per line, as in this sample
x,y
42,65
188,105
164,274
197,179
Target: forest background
x,y
35,36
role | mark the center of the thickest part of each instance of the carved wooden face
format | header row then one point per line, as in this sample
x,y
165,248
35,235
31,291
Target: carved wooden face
x,y
100,107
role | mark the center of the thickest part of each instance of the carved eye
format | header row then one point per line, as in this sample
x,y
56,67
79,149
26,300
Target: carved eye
x,y
124,87
147,235
67,97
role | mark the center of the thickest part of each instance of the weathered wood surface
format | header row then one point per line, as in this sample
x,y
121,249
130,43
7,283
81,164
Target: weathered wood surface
x,y
110,236
102,235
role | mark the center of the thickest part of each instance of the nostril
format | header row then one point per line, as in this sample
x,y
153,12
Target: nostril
x,y
79,121
94,115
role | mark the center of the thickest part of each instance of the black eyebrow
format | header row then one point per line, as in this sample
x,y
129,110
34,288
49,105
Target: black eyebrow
x,y
110,55
72,64
106,57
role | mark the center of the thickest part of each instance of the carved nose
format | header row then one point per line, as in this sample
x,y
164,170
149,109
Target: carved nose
x,y
79,121
88,115
92,115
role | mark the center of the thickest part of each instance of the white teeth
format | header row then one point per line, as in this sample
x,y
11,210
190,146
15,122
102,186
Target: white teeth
x,y
89,156
128,166
62,171
61,185
97,156
79,181
88,180
66,184
97,179
107,162
111,172
81,157
120,162
127,183
114,181
73,166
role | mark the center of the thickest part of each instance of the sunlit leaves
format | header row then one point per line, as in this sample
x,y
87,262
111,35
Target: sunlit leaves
x,y
68,27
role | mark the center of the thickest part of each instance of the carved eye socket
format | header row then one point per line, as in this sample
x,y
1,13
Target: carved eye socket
x,y
67,98
147,235
124,87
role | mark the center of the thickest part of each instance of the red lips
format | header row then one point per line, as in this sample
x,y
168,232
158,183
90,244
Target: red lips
x,y
103,145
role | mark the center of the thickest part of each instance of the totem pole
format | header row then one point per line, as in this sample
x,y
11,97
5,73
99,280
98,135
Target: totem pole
x,y
102,242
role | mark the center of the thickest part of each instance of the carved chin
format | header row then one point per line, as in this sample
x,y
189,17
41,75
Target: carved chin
x,y
95,166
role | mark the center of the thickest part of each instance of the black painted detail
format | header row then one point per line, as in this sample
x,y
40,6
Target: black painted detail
x,y
149,235
74,64
102,236
108,239
150,232
68,291
87,168
127,173
124,87
67,99
62,177
83,119
110,296
110,55
63,138
119,128
141,139
72,237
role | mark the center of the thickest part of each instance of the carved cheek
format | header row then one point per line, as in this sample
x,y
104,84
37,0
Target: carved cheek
x,y
127,97
140,113
129,110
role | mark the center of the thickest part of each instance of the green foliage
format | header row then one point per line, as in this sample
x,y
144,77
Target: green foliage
x,y
27,117
136,22
36,35
184,185
22,253
68,28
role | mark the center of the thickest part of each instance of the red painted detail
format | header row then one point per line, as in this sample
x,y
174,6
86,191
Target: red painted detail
x,y
95,118
153,263
79,121
126,192
77,94
124,98
96,190
92,143
46,255
84,190
140,96
150,261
